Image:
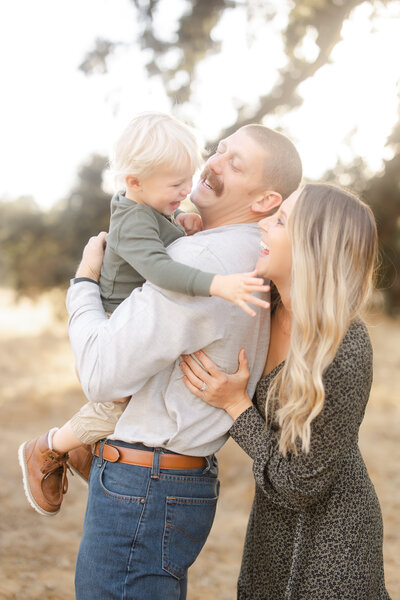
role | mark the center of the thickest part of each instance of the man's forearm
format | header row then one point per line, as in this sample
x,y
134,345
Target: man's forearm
x,y
116,356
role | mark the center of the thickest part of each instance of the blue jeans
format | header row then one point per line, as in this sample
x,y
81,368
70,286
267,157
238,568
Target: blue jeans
x,y
143,529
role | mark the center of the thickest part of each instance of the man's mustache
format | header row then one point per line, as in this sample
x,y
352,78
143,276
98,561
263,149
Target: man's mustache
x,y
216,184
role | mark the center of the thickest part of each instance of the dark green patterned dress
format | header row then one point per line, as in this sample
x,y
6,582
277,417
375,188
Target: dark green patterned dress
x,y
315,529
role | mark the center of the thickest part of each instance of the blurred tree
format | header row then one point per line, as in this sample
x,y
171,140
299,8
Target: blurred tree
x,y
22,238
175,58
40,249
175,61
84,213
191,43
383,194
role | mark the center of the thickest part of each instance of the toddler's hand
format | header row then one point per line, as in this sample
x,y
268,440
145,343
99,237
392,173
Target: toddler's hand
x,y
122,400
238,288
191,222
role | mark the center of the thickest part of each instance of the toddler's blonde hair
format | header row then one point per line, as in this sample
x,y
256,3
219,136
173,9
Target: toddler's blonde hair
x,y
152,140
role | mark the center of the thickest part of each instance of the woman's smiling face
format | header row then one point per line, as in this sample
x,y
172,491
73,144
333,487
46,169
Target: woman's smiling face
x,y
275,258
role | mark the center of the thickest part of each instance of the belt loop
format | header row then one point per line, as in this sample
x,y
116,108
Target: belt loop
x,y
101,453
155,469
209,464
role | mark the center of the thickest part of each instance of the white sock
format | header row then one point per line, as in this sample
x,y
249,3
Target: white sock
x,y
50,437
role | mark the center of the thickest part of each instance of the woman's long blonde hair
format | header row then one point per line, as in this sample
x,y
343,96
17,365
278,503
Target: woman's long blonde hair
x,y
334,244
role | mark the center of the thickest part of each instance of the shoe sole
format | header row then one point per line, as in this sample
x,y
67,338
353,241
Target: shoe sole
x,y
27,489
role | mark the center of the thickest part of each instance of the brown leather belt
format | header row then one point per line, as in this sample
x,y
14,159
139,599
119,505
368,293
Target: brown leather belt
x,y
144,458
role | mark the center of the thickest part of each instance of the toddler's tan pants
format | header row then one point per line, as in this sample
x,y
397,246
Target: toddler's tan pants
x,y
96,420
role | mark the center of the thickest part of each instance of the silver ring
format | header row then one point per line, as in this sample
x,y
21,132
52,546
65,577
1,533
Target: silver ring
x,y
203,386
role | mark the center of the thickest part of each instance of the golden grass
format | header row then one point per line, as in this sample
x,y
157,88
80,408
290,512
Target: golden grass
x,y
39,390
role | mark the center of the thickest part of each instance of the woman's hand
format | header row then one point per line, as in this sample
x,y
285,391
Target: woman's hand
x,y
214,386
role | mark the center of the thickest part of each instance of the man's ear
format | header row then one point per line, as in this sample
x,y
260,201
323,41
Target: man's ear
x,y
265,204
132,182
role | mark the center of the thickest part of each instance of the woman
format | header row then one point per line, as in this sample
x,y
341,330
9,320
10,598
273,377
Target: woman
x,y
315,529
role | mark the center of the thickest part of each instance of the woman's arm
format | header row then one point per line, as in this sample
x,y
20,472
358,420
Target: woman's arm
x,y
296,482
205,380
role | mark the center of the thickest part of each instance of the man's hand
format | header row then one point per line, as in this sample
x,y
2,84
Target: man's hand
x,y
92,257
191,222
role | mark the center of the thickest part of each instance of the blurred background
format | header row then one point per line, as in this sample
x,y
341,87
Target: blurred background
x,y
324,72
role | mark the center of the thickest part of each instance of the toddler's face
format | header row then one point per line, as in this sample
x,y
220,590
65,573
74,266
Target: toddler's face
x,y
166,188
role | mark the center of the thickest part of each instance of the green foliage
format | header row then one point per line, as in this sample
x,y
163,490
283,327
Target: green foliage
x,y
191,44
383,194
194,42
324,19
40,249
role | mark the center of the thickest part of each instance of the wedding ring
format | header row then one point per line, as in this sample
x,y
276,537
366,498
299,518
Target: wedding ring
x,y
203,386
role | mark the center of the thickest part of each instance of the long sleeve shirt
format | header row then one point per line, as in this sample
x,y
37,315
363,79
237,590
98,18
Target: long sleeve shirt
x,y
137,350
136,252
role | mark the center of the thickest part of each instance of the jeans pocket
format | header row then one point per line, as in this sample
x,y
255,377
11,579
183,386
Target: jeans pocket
x,y
188,522
128,484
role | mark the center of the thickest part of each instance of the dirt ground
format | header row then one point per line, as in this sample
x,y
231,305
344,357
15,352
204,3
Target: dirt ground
x,y
39,390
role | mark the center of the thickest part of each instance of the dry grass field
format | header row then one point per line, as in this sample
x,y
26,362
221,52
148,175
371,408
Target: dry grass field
x,y
38,389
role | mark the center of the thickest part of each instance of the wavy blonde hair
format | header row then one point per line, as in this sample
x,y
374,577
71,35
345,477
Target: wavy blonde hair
x,y
151,140
334,245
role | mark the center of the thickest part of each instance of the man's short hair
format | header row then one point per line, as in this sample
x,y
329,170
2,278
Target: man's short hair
x,y
152,140
282,166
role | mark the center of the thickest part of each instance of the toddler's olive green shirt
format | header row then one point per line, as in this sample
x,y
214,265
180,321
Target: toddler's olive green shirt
x,y
136,253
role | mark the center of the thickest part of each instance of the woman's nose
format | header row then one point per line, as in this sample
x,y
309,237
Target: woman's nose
x,y
263,224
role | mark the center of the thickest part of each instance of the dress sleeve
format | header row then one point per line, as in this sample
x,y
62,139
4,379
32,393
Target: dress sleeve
x,y
296,482
141,247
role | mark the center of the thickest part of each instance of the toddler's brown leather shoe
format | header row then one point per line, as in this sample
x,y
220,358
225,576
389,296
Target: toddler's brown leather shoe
x,y
44,473
80,461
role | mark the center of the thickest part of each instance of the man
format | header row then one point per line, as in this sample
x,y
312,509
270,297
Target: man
x,y
153,492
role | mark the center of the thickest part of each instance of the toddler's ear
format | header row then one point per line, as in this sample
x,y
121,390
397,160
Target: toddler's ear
x,y
132,182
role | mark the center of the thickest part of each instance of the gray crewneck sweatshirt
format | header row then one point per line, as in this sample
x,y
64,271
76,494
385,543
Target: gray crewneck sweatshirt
x,y
138,350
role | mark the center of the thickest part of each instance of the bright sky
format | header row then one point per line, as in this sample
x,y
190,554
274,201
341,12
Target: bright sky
x,y
53,117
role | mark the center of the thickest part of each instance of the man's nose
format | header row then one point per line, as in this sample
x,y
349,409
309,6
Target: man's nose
x,y
215,164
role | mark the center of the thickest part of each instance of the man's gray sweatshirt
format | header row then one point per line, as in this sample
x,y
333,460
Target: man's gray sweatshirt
x,y
137,350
